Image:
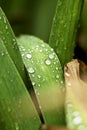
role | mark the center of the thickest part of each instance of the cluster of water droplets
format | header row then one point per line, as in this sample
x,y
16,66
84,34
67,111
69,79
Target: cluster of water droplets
x,y
74,117
40,56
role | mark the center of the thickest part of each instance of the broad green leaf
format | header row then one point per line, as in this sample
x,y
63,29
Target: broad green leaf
x,y
17,111
64,29
46,74
76,95
9,40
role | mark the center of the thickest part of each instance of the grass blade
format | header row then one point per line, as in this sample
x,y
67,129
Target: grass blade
x,y
17,111
9,40
64,29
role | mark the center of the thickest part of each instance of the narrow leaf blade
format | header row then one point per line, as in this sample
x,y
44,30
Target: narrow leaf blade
x,y
9,40
17,111
64,29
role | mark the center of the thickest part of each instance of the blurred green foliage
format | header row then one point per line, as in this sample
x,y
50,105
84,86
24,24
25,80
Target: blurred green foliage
x,y
30,16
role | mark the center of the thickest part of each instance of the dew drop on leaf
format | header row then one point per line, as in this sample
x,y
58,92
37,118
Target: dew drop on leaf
x,y
69,84
67,74
6,27
39,76
61,82
38,85
57,76
51,56
40,50
31,70
48,62
77,120
75,113
4,19
22,54
2,53
56,68
16,126
33,83
29,56
43,45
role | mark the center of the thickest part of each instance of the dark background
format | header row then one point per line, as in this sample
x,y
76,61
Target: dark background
x,y
32,17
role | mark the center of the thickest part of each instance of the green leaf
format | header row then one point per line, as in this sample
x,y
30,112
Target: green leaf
x,y
46,74
64,29
17,111
9,40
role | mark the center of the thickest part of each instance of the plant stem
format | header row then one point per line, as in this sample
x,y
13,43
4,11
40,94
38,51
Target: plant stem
x,y
64,28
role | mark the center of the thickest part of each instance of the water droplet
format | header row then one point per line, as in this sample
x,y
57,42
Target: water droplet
x,y
46,49
29,56
37,46
77,120
16,126
56,68
69,84
61,82
2,53
33,75
6,27
38,85
52,49
31,70
51,56
13,40
75,113
48,62
33,83
22,54
57,76
43,45
23,49
0,18
67,74
4,19
40,50
39,76
32,61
